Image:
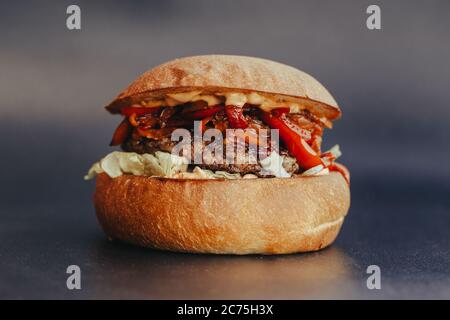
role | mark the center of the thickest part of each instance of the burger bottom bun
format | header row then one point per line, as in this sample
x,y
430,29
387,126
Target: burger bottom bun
x,y
247,216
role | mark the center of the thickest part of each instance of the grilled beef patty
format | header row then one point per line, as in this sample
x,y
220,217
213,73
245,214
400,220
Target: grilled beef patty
x,y
144,145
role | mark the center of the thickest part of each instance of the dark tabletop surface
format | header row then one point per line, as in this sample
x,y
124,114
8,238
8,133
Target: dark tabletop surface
x,y
392,85
412,251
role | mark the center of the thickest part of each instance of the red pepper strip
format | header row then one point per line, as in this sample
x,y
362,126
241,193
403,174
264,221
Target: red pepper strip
x,y
305,134
327,158
121,133
306,157
236,117
342,170
138,110
203,113
203,123
133,120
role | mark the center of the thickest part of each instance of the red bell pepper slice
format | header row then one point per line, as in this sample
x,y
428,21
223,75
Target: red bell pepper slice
x,y
306,157
137,110
203,113
236,117
341,169
327,157
121,133
203,123
304,133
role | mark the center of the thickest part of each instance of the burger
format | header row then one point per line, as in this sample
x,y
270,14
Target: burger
x,y
222,154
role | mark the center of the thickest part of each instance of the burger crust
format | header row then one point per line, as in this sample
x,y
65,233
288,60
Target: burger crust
x,y
224,73
246,216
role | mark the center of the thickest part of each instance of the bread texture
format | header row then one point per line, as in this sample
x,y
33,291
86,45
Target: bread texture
x,y
246,216
225,73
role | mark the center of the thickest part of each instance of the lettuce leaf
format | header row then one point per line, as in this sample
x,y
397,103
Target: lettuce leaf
x,y
161,164
199,173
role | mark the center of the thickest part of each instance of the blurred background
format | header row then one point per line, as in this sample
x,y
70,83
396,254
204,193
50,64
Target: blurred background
x,y
393,88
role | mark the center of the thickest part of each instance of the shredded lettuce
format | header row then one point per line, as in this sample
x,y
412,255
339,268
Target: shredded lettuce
x,y
316,171
225,175
160,164
163,164
199,173
335,151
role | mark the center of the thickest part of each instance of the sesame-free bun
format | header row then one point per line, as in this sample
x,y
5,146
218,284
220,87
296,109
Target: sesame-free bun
x,y
224,73
245,216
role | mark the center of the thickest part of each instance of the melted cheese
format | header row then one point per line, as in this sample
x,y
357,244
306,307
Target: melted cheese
x,y
235,99
209,99
238,99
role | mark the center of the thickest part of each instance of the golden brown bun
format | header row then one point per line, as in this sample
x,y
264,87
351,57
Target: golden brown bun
x,y
266,216
222,73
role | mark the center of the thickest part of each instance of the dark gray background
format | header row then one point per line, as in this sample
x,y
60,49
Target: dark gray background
x,y
393,87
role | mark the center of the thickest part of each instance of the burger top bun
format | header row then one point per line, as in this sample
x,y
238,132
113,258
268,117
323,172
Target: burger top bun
x,y
225,73
245,216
